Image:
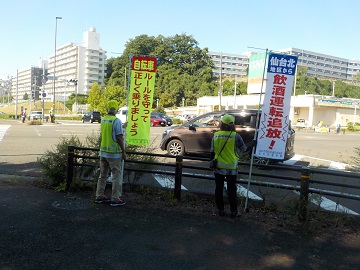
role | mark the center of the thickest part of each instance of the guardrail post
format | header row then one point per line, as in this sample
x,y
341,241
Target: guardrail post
x,y
304,194
178,176
70,166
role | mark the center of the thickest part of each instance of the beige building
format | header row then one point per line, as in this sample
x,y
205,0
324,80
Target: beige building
x,y
312,108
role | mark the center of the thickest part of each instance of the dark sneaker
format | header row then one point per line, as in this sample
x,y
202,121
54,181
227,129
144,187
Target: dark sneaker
x,y
118,203
104,199
222,213
235,215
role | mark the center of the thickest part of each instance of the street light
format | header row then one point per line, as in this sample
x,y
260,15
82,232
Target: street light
x,y
56,19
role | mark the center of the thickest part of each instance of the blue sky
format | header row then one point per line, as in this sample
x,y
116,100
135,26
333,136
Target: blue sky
x,y
231,26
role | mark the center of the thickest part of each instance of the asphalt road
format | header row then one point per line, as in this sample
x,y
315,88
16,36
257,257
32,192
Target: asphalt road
x,y
22,144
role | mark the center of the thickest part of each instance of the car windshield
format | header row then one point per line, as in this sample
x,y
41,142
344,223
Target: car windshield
x,y
156,116
206,121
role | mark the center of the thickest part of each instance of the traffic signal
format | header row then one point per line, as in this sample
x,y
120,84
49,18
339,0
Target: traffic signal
x,y
32,94
74,81
36,95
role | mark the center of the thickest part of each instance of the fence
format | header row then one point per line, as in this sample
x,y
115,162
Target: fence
x,y
79,157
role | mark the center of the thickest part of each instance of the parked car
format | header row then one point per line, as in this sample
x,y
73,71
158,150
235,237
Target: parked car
x,y
34,115
300,123
156,120
122,114
91,117
194,137
164,116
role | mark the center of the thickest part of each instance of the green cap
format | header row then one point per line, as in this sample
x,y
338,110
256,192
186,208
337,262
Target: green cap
x,y
228,119
113,104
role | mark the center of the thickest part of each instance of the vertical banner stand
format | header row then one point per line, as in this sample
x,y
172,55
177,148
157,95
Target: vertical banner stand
x,y
126,89
255,134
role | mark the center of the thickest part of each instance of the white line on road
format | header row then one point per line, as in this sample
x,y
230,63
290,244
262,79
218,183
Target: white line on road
x,y
166,181
3,129
293,160
337,166
37,131
243,191
329,205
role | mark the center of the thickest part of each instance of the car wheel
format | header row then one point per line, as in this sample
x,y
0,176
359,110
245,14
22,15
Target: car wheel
x,y
175,147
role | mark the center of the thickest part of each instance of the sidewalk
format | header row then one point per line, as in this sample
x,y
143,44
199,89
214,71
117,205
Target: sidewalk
x,y
44,229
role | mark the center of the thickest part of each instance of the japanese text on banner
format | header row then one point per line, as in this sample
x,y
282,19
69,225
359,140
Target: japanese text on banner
x,y
274,121
142,84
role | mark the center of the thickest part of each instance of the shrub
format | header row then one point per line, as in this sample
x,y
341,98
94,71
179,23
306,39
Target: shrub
x,y
35,122
54,162
177,121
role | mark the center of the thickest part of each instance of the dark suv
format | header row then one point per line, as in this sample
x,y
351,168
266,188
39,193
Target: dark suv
x,y
91,117
194,137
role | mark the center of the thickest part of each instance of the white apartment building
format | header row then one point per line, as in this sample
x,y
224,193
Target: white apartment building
x,y
318,64
84,63
232,65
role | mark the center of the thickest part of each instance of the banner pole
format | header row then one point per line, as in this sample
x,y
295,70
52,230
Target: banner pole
x,y
126,89
255,135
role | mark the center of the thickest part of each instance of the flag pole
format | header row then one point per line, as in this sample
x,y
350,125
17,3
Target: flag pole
x,y
126,89
255,135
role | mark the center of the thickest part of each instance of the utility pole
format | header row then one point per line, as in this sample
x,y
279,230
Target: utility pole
x,y
220,91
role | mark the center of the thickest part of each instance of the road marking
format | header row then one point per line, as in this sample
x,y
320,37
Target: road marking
x,y
329,205
333,164
166,181
3,129
243,191
293,160
37,131
337,166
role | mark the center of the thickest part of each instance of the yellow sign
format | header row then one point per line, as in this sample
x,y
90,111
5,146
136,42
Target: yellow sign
x,y
141,93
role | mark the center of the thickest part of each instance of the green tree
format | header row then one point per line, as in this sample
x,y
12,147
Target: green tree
x,y
94,97
357,76
183,69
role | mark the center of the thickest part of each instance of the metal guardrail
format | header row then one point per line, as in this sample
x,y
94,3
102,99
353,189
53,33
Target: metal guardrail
x,y
77,157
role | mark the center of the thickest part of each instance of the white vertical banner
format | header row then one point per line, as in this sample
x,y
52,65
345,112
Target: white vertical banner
x,y
274,122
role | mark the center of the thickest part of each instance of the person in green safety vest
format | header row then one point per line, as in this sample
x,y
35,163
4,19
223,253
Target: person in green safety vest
x,y
112,151
225,146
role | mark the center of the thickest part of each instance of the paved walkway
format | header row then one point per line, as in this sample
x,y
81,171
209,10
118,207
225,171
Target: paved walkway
x,y
44,229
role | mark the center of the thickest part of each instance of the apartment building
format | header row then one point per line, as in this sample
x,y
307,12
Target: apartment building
x,y
232,65
26,82
83,63
318,64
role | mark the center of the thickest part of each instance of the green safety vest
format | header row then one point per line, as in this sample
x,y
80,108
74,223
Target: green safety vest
x,y
227,159
108,144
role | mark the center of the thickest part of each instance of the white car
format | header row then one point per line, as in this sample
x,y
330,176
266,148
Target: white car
x,y
122,114
300,123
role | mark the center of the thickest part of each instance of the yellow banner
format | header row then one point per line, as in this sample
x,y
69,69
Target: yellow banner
x,y
141,93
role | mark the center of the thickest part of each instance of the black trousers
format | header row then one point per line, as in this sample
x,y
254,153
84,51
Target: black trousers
x,y
219,191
